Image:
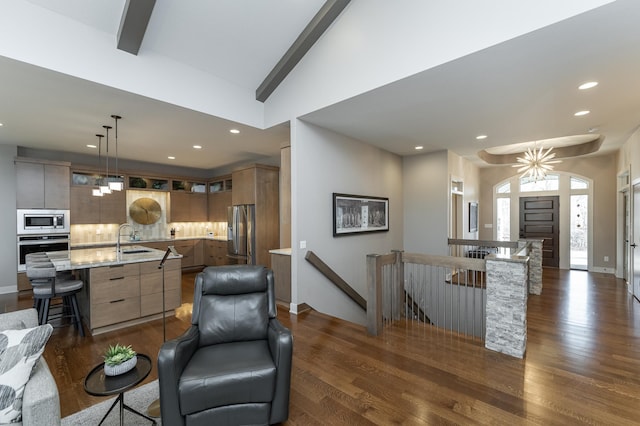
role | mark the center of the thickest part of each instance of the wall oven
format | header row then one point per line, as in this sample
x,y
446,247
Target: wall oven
x,y
42,221
39,243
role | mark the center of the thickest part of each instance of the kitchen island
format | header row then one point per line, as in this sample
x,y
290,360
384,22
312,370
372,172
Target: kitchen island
x,y
123,289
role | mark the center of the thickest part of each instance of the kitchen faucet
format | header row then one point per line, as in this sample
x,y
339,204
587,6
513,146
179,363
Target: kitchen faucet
x,y
119,232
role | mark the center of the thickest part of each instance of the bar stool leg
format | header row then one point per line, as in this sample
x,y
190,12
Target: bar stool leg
x,y
76,314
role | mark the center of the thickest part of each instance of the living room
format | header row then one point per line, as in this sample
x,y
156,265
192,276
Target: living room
x,y
328,155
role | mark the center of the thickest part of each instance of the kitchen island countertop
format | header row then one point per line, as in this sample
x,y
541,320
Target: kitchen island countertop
x,y
106,256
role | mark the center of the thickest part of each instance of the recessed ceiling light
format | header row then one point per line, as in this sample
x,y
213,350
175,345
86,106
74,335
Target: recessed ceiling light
x,y
1,124
91,146
588,85
580,113
234,131
480,137
197,147
419,147
171,157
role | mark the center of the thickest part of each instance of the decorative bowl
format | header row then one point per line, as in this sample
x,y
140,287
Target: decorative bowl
x,y
114,370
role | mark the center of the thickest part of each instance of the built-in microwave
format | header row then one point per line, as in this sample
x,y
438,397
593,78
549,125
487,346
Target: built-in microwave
x,y
42,221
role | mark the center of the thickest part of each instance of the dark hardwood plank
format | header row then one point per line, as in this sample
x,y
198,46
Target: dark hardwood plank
x,y
582,364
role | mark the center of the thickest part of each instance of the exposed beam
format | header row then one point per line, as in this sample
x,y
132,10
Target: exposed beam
x,y
133,24
312,32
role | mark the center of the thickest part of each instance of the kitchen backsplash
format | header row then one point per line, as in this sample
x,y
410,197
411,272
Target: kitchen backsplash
x,y
85,234
106,233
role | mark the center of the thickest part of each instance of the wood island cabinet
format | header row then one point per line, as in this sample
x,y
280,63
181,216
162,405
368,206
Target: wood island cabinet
x,y
42,184
111,295
151,286
121,295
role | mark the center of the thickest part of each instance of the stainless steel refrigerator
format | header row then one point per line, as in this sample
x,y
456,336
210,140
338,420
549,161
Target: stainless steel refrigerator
x,y
241,233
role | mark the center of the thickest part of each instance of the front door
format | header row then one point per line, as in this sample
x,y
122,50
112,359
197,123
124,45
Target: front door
x,y
539,219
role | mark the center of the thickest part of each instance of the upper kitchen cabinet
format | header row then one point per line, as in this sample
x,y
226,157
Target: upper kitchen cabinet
x,y
219,198
87,209
187,202
42,184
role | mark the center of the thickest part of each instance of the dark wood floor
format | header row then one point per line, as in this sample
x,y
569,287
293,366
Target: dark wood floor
x,y
582,364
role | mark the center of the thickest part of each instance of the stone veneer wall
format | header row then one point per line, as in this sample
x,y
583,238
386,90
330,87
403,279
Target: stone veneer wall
x,y
506,310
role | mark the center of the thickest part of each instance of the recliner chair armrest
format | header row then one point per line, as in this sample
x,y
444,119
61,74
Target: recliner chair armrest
x,y
281,347
172,359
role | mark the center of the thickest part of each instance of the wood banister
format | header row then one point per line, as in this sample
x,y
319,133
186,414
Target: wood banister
x,y
325,270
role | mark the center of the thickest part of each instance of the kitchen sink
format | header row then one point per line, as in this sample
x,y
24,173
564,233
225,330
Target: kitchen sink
x,y
134,251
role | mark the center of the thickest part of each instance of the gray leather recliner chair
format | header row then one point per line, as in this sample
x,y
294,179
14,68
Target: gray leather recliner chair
x,y
233,365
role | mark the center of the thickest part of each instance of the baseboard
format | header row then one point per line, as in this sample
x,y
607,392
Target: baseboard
x,y
9,289
298,308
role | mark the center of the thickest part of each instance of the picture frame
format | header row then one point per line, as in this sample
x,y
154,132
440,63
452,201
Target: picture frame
x,y
473,217
356,214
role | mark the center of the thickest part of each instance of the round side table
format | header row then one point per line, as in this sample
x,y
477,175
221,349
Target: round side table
x,y
98,384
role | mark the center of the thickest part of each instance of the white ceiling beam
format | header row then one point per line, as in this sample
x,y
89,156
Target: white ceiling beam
x,y
312,32
133,24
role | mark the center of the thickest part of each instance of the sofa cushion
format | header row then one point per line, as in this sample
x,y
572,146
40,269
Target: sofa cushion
x,y
19,352
226,374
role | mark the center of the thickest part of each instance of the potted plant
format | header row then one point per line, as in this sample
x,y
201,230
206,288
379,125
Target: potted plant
x,y
119,359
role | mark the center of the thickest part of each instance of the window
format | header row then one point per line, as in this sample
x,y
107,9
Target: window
x,y
503,219
577,183
505,188
549,183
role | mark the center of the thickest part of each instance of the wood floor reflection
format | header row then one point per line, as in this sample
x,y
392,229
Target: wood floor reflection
x,y
582,364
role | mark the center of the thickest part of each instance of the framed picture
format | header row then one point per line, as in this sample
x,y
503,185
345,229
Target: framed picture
x,y
354,214
473,217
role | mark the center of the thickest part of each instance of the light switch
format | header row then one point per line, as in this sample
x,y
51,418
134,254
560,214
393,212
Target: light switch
x,y
303,244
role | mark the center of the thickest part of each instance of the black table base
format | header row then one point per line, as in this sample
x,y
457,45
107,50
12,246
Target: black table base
x,y
123,406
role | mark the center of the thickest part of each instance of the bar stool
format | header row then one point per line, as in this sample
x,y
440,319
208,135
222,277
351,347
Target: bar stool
x,y
47,284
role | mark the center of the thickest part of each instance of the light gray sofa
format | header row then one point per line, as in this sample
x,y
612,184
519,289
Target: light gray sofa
x,y
41,401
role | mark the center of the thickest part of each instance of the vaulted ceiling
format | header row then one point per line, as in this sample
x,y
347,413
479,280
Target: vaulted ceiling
x,y
520,90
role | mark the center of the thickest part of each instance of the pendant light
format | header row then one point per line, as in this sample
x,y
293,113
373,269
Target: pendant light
x,y
116,184
104,186
96,192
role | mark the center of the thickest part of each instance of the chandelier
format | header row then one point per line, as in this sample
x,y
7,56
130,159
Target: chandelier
x,y
536,163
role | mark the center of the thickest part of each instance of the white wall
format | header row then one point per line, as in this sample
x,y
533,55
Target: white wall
x,y
425,189
8,251
376,42
324,162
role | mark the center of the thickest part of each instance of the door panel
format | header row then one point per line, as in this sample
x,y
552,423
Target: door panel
x,y
539,219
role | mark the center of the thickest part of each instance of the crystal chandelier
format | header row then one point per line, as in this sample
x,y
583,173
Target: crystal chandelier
x,y
536,163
